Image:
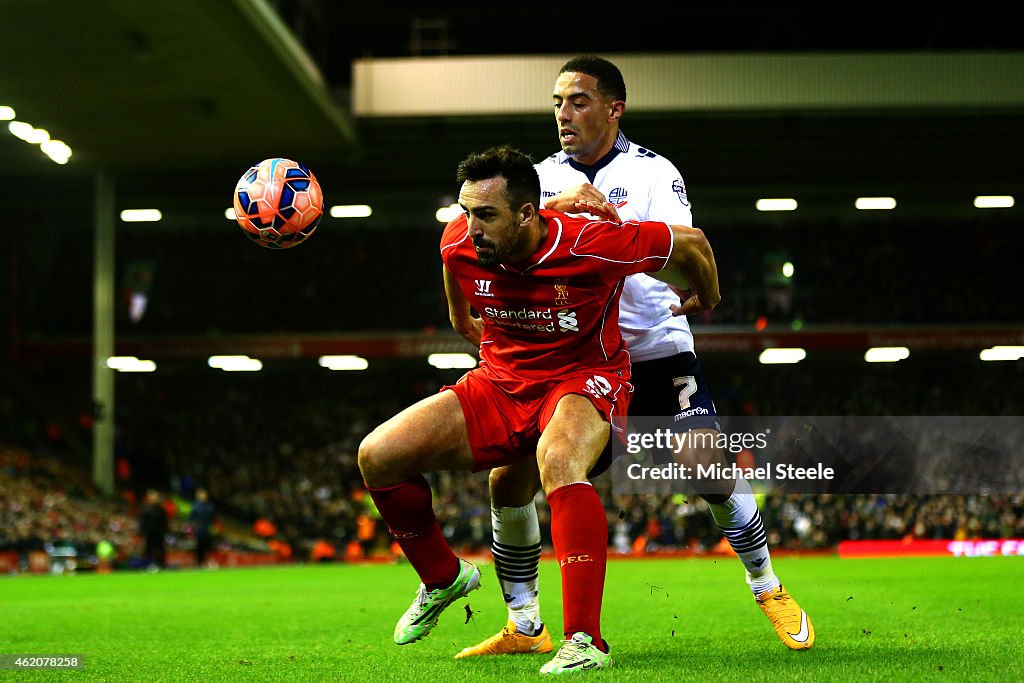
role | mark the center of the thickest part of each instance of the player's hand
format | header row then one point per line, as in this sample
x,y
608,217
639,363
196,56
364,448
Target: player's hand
x,y
689,303
566,200
473,330
602,210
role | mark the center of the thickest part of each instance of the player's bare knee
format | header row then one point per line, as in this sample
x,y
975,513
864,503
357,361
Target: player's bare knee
x,y
562,464
372,460
366,456
497,480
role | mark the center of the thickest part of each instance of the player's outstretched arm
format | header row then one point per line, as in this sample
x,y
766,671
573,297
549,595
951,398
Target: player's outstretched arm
x,y
691,267
583,198
566,200
459,311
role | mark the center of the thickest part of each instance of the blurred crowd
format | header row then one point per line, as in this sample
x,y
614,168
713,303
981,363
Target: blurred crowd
x,y
47,505
276,451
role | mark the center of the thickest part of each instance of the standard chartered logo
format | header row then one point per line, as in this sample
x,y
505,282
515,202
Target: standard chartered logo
x,y
567,321
538,320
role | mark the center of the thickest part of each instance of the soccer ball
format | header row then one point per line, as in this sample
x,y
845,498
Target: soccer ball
x,y
278,203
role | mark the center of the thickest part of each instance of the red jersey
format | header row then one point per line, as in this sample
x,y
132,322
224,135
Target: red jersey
x,y
557,311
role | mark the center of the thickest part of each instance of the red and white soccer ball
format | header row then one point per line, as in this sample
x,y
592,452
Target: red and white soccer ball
x,y
278,203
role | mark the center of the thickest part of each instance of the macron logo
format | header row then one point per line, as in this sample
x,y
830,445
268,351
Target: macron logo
x,y
483,288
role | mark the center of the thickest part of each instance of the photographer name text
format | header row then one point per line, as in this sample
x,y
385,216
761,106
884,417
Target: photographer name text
x,y
716,472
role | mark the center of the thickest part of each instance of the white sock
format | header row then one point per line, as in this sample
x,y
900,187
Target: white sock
x,y
740,522
516,550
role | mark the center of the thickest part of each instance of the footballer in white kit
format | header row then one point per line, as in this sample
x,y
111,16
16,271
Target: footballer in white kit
x,y
643,185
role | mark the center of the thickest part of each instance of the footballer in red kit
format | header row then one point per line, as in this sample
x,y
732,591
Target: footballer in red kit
x,y
550,325
553,378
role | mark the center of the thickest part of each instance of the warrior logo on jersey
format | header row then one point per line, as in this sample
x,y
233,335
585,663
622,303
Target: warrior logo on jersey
x,y
483,288
561,292
679,187
617,197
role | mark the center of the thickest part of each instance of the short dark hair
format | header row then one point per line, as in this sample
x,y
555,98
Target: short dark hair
x,y
522,184
609,78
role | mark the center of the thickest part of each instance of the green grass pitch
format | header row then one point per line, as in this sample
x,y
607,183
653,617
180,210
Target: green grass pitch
x,y
666,620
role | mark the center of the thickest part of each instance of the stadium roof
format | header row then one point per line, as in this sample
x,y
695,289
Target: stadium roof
x,y
155,90
134,86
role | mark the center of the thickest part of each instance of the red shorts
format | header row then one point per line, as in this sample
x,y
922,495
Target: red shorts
x,y
504,428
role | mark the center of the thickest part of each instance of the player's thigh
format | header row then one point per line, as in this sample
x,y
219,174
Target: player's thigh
x,y
428,436
571,442
514,485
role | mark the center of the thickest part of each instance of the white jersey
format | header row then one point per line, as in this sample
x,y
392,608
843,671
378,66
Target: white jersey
x,y
645,187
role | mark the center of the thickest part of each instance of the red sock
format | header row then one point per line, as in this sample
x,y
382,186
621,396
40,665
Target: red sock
x,y
407,509
579,532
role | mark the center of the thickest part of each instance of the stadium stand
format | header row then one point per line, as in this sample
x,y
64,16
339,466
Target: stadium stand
x,y
280,445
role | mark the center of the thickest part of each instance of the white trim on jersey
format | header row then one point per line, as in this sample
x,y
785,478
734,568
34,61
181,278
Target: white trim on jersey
x,y
604,317
558,239
615,403
572,249
455,244
671,246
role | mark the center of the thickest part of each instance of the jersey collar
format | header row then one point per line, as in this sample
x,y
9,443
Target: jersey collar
x,y
621,145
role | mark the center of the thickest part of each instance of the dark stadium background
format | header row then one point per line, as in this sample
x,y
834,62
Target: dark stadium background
x,y
280,445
